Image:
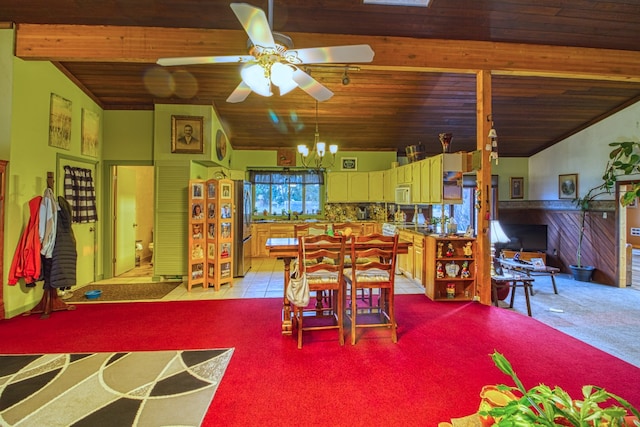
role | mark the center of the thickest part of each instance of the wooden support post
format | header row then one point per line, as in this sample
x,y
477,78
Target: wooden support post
x,y
483,112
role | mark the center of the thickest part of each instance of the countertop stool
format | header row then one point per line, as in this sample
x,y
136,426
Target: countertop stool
x,y
513,282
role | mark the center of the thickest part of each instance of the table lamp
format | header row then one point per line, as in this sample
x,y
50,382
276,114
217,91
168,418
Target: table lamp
x,y
497,236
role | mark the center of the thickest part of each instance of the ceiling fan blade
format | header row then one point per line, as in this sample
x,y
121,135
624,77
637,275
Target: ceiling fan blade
x,y
332,54
255,23
240,93
194,60
311,86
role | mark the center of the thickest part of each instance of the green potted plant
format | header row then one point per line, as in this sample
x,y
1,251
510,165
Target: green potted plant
x,y
545,406
624,160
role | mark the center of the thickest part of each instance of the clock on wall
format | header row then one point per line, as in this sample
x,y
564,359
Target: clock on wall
x,y
221,145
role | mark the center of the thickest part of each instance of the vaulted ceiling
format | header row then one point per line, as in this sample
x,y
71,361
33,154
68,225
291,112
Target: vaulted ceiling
x,y
557,66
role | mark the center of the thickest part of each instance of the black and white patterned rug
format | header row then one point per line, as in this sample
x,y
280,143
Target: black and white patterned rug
x,y
110,389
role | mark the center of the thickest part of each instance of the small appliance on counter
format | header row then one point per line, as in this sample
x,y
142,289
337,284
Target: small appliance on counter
x,y
362,214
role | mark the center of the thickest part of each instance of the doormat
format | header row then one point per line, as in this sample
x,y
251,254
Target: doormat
x,y
124,291
150,388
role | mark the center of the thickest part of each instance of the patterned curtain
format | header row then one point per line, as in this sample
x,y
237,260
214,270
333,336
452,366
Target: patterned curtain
x,y
80,193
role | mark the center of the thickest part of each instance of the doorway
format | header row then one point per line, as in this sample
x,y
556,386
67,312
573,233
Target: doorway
x,y
133,216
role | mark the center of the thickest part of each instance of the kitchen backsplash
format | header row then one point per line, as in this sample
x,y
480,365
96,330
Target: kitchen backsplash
x,y
343,212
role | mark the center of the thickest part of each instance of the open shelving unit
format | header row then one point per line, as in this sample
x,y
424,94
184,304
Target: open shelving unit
x,y
448,255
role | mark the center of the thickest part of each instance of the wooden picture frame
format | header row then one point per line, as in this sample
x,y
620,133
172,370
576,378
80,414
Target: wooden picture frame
x,y
187,134
517,188
90,133
568,186
60,122
225,191
349,164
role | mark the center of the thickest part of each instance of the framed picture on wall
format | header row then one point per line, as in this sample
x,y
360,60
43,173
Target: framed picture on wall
x,y
349,164
568,186
187,135
517,191
60,122
90,133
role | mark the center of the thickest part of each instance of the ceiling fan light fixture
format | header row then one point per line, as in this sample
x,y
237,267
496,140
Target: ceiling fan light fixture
x,y
282,76
255,77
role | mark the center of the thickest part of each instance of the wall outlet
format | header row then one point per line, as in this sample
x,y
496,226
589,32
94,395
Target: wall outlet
x,y
604,215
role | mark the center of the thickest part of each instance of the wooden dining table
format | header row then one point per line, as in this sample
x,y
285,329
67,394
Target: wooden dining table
x,y
286,248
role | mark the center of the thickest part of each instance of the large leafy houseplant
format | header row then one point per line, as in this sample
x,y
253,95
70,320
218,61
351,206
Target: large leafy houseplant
x,y
545,406
624,160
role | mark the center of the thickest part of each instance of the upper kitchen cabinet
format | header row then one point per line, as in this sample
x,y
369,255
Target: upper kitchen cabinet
x,y
345,187
446,178
377,187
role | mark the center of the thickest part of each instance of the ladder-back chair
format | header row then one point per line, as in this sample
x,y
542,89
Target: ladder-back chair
x,y
376,275
323,275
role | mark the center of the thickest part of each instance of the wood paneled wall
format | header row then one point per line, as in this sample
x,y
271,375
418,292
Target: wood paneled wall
x,y
598,246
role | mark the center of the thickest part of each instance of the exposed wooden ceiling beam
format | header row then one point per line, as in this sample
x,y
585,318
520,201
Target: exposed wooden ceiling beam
x,y
146,44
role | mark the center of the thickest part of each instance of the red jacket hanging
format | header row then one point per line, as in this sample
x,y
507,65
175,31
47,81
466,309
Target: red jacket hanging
x,y
26,261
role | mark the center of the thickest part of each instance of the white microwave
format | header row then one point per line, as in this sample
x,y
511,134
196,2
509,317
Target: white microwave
x,y
403,195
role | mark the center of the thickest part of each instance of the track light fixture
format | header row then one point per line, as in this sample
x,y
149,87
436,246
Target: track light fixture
x,y
345,78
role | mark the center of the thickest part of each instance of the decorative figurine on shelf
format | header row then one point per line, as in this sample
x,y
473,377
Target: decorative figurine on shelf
x,y
450,251
439,270
440,246
468,252
452,269
451,290
465,273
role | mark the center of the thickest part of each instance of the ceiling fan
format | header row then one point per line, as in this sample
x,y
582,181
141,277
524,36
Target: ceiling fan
x,y
273,61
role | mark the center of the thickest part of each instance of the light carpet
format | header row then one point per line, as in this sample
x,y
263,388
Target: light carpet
x,y
110,389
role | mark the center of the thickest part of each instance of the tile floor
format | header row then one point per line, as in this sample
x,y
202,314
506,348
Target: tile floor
x,y
264,280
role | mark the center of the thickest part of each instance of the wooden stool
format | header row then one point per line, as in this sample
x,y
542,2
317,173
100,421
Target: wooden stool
x,y
512,282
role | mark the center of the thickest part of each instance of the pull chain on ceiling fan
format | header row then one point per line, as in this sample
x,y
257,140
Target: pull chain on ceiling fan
x,y
272,61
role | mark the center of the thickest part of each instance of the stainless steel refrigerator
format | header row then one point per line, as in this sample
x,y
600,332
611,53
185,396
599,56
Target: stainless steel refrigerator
x,y
242,228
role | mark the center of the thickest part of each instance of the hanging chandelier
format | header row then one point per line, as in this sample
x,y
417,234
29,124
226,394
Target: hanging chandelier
x,y
315,159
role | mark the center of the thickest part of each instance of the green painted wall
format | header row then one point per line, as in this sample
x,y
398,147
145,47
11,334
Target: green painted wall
x,y
6,88
31,157
367,160
507,168
128,135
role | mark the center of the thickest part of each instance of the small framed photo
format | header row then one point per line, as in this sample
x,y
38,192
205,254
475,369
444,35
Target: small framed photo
x,y
225,191
187,135
197,191
517,185
568,186
349,164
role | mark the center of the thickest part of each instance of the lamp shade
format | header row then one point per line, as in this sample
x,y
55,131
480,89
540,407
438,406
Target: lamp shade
x,y
282,76
254,76
497,233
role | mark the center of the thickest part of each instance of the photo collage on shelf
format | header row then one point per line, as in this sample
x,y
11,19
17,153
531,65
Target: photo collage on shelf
x,y
197,231
211,234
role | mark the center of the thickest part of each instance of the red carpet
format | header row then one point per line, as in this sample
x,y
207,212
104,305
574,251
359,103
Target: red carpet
x,y
435,372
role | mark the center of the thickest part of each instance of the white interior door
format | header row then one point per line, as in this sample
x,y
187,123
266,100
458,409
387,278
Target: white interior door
x,y
125,219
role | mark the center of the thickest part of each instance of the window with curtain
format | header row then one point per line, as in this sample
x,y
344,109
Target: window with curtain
x,y
281,192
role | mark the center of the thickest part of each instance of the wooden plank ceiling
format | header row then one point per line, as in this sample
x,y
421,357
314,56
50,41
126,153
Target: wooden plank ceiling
x,y
558,66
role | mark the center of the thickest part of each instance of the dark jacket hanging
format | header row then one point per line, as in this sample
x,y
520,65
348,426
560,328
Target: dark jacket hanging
x,y
62,272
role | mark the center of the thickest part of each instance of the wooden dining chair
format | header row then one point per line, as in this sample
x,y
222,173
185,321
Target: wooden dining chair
x,y
309,229
377,275
324,275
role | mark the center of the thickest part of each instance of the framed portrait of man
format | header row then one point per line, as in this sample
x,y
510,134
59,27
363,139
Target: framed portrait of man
x,y
187,134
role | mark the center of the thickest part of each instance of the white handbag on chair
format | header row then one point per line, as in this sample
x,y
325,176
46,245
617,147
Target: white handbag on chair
x,y
298,289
